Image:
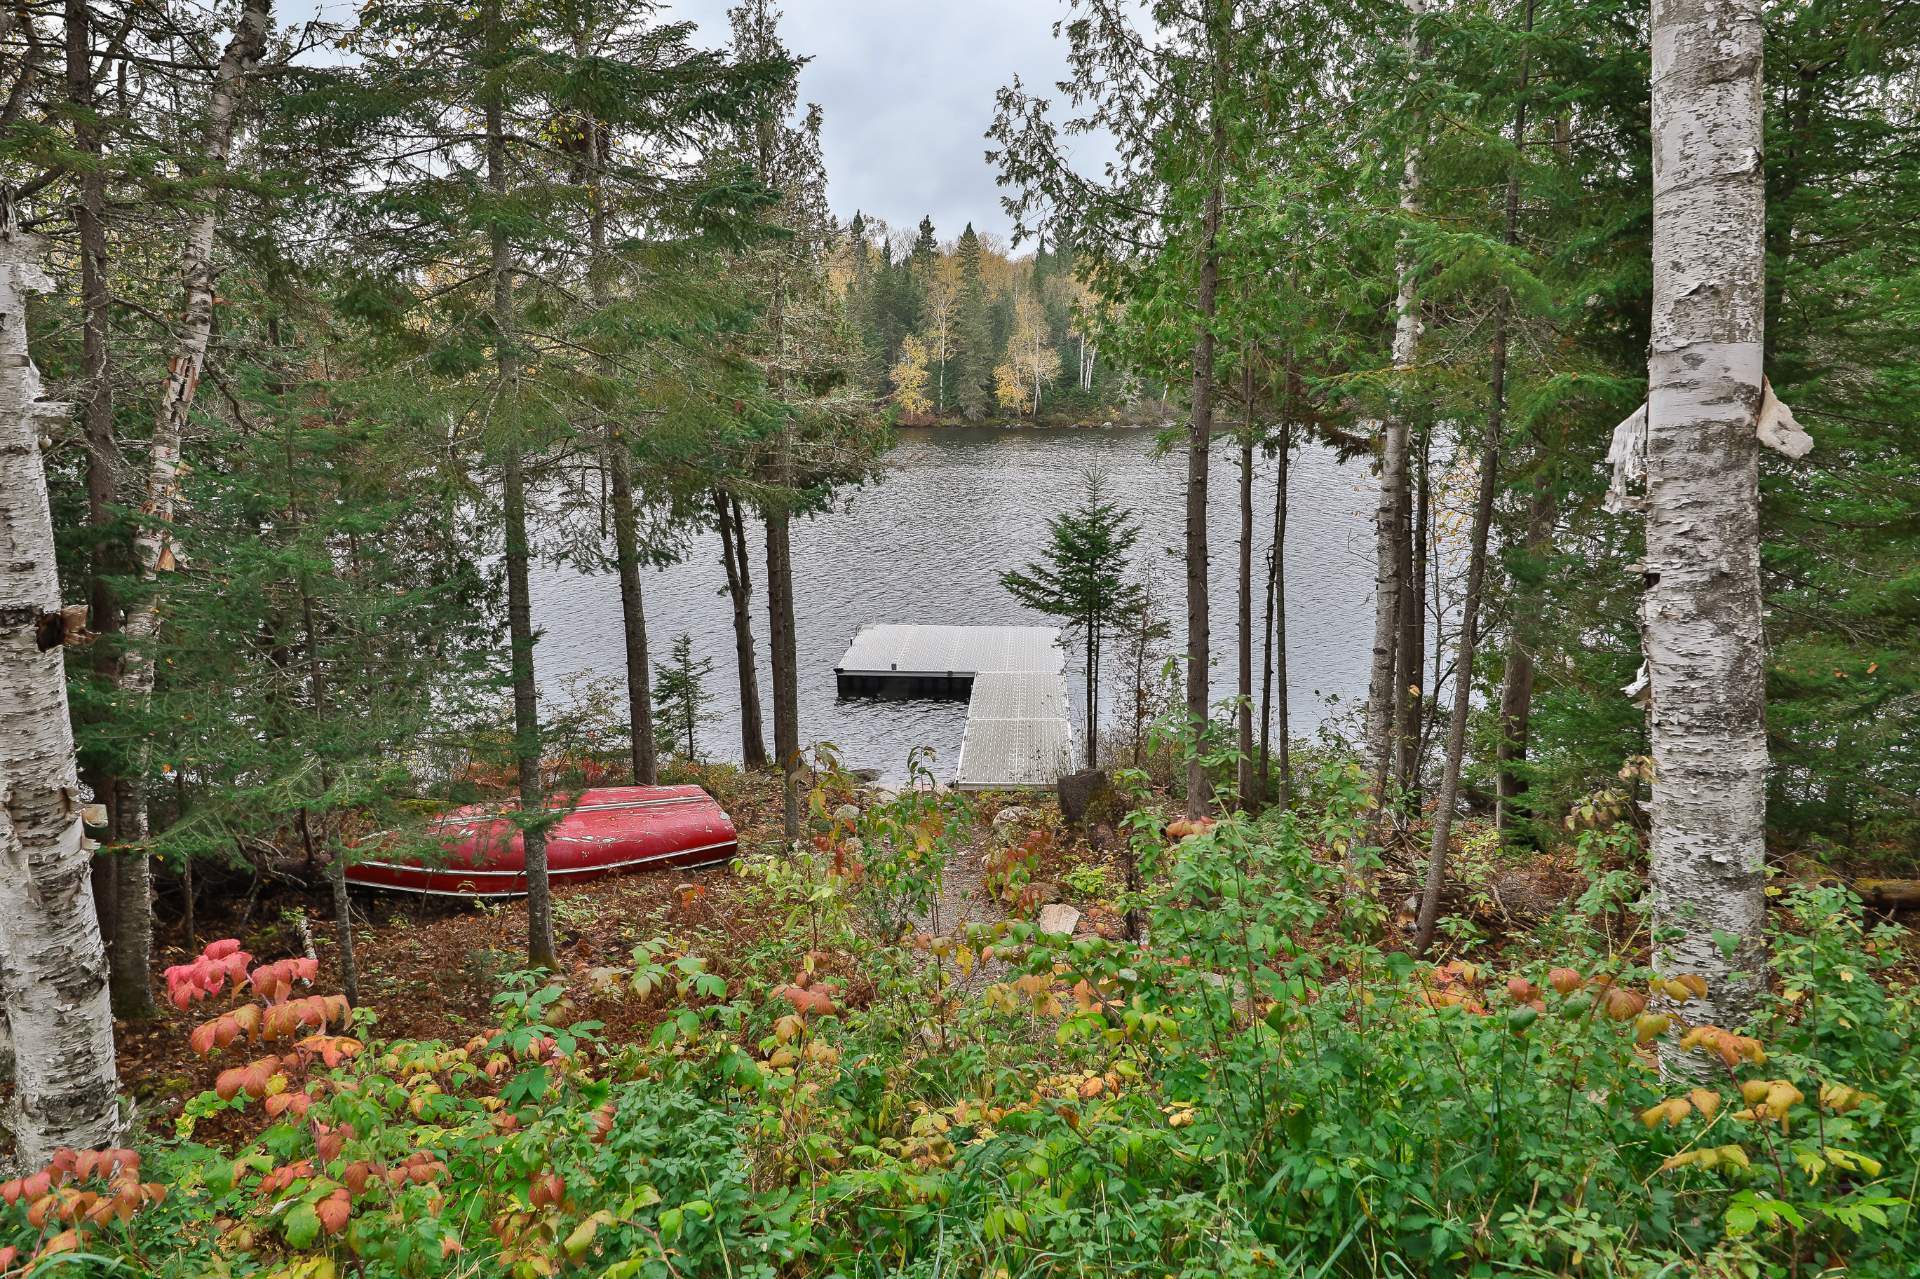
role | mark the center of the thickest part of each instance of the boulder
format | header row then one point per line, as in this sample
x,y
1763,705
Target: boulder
x,y
1058,919
1010,816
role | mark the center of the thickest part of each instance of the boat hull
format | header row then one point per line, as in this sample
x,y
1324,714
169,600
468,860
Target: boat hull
x,y
605,831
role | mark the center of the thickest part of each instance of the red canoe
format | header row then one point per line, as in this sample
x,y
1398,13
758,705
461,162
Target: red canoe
x,y
606,831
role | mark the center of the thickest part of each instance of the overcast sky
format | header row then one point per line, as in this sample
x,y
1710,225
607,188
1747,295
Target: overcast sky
x,y
907,87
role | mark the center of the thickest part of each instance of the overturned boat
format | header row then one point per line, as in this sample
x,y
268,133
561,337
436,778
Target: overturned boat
x,y
605,831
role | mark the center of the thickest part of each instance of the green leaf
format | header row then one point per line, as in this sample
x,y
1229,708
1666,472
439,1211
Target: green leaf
x,y
302,1225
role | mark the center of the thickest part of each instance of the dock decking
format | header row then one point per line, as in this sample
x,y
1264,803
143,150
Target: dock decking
x,y
1017,734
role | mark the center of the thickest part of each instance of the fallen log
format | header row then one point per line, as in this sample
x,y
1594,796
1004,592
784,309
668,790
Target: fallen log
x,y
1891,894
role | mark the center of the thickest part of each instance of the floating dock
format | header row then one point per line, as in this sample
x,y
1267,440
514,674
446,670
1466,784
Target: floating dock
x,y
1017,734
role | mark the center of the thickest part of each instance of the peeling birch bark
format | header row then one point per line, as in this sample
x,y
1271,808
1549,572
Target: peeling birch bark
x,y
1382,695
1627,457
153,551
1705,646
53,966
1777,428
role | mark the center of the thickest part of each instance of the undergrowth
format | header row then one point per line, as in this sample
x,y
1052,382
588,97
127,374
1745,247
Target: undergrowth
x,y
1259,1089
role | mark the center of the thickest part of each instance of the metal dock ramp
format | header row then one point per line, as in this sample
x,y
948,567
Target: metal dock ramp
x,y
1017,735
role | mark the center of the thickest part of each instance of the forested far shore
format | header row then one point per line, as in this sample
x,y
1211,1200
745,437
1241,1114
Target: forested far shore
x,y
359,919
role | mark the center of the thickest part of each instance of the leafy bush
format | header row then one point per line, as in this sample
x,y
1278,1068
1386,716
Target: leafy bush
x,y
1260,1090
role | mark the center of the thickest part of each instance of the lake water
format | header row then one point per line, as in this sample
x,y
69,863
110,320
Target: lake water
x,y
928,542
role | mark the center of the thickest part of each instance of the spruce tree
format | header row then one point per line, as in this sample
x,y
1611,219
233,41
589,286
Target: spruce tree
x,y
972,361
1084,579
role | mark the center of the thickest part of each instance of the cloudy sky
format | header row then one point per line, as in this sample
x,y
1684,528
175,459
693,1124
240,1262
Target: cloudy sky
x,y
907,87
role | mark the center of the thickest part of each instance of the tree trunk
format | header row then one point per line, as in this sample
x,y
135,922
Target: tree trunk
x,y
1516,686
1406,655
633,613
626,531
153,543
1247,777
518,553
786,661
1387,586
1200,432
733,550
1273,696
103,450
1283,721
53,966
1477,553
526,715
336,853
1705,644
1411,722
1092,658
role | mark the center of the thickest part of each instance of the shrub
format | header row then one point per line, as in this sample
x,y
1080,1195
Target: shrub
x,y
1261,1090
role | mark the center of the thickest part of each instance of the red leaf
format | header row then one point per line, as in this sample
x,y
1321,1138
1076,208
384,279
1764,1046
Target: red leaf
x,y
333,1212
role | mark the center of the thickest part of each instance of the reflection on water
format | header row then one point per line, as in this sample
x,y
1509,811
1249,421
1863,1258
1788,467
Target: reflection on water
x,y
928,543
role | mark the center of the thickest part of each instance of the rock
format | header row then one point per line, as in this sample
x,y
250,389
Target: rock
x,y
1057,919
1078,791
865,774
1010,816
847,813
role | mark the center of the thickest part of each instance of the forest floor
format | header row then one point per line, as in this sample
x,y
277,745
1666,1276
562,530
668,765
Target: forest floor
x,y
429,967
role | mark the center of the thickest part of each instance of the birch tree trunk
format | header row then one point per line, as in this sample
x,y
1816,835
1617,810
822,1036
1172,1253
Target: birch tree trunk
x,y
1702,609
153,543
53,967
739,566
1381,692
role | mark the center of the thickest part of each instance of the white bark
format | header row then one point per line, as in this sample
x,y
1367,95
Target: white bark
x,y
1702,610
1627,457
153,543
53,967
1382,695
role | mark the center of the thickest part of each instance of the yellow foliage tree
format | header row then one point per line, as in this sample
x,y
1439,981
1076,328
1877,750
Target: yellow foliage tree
x,y
1032,363
1010,389
910,380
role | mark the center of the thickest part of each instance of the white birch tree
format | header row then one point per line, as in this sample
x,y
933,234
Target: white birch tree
x,y
1702,610
1383,695
53,965
153,543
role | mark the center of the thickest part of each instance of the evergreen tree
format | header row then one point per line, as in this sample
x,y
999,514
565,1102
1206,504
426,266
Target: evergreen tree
x,y
681,701
1083,579
973,359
